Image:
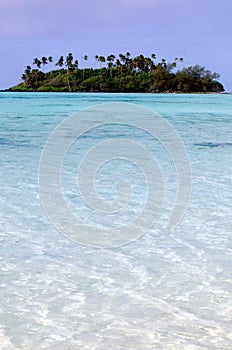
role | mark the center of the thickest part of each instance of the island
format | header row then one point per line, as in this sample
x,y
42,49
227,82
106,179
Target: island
x,y
122,73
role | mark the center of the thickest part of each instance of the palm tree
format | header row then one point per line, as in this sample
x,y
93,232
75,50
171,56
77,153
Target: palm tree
x,y
110,60
127,58
118,63
50,59
33,81
122,58
37,62
96,58
163,62
44,61
149,64
139,63
85,60
110,65
173,65
101,60
76,64
27,70
181,61
60,62
26,74
69,61
153,57
69,65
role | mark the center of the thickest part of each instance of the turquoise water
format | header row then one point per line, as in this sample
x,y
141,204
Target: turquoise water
x,y
163,291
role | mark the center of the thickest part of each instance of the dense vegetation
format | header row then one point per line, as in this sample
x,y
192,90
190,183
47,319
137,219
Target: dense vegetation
x,y
122,74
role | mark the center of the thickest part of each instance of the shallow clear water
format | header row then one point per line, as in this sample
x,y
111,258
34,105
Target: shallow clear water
x,y
163,291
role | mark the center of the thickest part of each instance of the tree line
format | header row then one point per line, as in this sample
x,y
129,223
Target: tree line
x,y
122,73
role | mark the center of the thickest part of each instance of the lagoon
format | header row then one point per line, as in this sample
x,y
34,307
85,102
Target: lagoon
x,y
161,291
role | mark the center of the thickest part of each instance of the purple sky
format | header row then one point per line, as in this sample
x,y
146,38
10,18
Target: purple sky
x,y
199,31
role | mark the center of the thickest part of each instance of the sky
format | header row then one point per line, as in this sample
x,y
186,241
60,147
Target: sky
x,y
200,31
